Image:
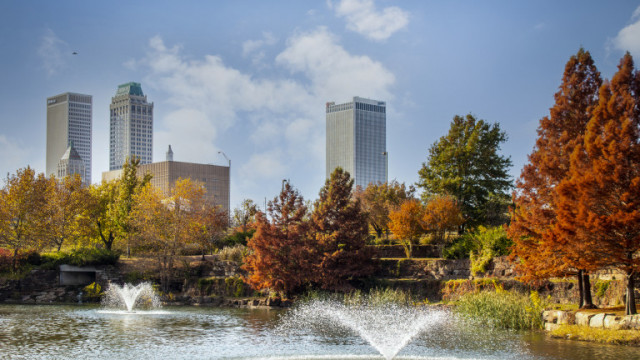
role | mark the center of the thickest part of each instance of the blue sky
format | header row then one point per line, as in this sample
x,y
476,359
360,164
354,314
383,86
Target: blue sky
x,y
251,78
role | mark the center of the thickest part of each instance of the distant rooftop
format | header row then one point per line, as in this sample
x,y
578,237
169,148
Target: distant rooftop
x,y
130,88
71,154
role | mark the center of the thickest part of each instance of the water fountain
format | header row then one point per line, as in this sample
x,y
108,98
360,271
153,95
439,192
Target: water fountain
x,y
386,327
129,296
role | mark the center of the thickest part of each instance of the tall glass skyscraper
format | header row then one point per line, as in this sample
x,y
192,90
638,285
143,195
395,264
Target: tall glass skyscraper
x,y
131,126
69,123
357,140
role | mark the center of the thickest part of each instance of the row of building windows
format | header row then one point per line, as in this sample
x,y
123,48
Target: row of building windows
x,y
369,107
341,107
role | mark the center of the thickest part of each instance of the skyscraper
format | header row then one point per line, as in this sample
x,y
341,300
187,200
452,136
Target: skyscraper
x,y
357,140
69,122
131,126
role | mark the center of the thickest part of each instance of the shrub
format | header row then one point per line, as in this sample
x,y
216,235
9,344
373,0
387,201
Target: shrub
x,y
379,296
235,286
24,258
235,253
93,290
237,238
480,246
460,248
80,257
503,309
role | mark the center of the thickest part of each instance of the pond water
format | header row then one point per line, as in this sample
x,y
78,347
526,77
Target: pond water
x,y
88,332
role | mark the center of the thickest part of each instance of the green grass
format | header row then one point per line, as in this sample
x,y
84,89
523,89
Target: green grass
x,y
502,309
599,335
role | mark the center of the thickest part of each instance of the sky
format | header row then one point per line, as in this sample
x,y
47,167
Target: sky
x,y
251,78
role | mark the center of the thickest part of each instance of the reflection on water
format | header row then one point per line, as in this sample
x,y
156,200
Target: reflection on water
x,y
83,332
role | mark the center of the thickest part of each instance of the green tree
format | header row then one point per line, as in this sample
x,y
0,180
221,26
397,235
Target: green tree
x,y
466,164
22,201
378,199
340,230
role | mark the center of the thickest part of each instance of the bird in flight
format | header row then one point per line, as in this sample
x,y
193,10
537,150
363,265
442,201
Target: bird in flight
x,y
74,53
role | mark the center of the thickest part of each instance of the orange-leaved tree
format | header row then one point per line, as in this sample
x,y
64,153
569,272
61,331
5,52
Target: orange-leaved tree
x,y
281,258
540,254
406,224
339,228
378,199
441,214
599,203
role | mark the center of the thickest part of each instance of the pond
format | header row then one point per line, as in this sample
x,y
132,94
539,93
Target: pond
x,y
89,332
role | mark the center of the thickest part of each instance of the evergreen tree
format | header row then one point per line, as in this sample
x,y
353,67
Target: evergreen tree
x,y
466,164
340,230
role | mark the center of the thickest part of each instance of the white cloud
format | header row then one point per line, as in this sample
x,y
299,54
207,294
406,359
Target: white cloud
x,y
251,46
363,18
269,164
52,51
636,13
255,48
628,39
281,116
334,73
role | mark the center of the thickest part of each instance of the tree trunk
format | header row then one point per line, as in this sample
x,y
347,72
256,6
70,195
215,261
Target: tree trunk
x,y
15,260
588,299
378,232
630,303
580,289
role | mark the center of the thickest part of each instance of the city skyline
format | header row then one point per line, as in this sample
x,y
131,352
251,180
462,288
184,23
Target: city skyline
x,y
252,81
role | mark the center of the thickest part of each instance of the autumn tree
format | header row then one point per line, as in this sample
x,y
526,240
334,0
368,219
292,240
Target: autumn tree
x,y
406,224
213,224
599,201
378,199
22,201
441,214
129,185
542,255
467,165
101,213
244,214
339,229
281,258
66,206
165,226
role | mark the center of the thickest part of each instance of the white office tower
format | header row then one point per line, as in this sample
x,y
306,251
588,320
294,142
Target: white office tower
x,y
69,122
357,140
131,126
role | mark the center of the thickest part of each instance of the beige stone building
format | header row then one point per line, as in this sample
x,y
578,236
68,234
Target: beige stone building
x,y
215,178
